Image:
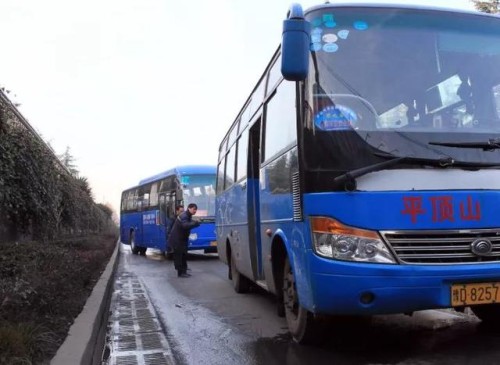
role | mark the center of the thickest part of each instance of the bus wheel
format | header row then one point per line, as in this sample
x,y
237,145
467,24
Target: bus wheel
x,y
133,246
489,314
240,283
301,323
143,250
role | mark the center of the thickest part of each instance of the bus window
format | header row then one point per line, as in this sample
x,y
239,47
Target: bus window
x,y
167,185
230,160
220,175
144,197
254,103
153,198
233,134
241,165
280,124
132,200
123,205
274,75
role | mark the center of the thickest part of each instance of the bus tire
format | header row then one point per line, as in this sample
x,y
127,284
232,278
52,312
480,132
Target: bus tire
x,y
489,314
142,251
240,283
133,246
301,323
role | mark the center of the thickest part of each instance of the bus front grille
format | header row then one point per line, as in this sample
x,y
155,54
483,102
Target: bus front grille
x,y
443,247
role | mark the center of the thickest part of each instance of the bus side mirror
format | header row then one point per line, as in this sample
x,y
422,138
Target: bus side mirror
x,y
295,45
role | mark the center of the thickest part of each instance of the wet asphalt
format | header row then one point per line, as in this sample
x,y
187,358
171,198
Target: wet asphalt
x,y
205,322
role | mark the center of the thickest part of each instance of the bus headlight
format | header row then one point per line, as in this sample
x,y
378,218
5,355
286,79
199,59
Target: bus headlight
x,y
334,240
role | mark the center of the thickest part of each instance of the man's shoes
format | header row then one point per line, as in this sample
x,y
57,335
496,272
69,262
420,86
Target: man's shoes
x,y
183,274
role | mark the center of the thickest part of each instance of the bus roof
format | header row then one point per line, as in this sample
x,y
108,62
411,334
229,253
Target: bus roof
x,y
181,170
401,5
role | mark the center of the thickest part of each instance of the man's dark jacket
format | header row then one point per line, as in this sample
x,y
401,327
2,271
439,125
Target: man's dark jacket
x,y
179,236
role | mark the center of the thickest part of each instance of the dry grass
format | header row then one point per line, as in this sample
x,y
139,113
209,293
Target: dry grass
x,y
43,289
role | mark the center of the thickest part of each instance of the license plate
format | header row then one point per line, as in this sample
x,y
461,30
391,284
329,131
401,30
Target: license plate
x,y
470,294
213,243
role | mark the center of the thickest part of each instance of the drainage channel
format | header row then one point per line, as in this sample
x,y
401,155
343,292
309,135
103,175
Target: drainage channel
x,y
134,336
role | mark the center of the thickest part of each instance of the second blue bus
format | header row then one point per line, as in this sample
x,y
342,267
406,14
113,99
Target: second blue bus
x,y
146,209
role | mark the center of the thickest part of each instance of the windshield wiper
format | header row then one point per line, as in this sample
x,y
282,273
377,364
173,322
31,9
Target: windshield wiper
x,y
490,145
349,178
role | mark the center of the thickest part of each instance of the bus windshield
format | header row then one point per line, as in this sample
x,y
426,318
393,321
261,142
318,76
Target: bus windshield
x,y
401,82
200,189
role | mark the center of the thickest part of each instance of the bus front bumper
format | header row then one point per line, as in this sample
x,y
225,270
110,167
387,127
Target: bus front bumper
x,y
207,244
365,289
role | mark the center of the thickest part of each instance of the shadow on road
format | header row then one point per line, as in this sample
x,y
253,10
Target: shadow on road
x,y
385,340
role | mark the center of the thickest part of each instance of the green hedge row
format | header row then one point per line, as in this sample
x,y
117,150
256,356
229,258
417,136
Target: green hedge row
x,y
38,198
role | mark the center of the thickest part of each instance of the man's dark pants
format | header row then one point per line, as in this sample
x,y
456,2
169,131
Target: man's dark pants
x,y
180,261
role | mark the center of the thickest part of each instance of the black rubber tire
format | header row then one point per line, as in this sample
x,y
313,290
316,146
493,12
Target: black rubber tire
x,y
142,251
133,246
301,323
240,283
489,314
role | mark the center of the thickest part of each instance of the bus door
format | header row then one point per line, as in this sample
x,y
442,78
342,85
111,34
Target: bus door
x,y
164,218
150,216
169,214
253,202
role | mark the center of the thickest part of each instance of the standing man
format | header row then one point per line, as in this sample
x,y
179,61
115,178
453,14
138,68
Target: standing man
x,y
179,238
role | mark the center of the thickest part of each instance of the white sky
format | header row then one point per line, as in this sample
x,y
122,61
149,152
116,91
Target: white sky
x,y
136,87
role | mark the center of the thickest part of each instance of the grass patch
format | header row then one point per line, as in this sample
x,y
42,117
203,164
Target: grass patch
x,y
44,287
22,342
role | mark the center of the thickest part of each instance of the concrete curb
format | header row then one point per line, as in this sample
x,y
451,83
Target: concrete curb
x,y
85,339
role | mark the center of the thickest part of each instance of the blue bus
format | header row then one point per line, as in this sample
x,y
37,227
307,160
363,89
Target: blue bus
x,y
146,209
362,175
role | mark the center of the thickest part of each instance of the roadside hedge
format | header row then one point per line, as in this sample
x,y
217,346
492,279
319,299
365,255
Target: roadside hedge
x,y
39,198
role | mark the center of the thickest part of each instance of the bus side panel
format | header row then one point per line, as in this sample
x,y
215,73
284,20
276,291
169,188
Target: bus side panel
x,y
276,204
220,226
276,214
130,222
162,238
295,237
124,228
232,225
153,231
241,237
149,228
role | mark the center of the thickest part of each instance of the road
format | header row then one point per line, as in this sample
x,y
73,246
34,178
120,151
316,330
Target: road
x,y
206,322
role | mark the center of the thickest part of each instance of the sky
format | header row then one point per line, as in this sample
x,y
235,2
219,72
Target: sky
x,y
134,88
